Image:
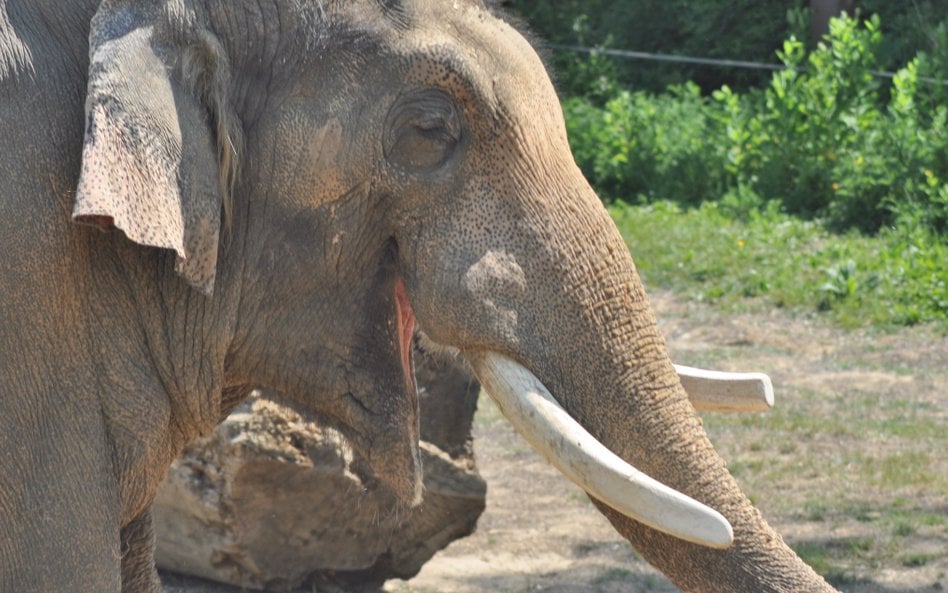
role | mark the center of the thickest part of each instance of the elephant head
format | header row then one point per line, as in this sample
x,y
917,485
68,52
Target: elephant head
x,y
381,161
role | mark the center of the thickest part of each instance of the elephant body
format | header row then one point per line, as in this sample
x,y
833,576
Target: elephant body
x,y
111,363
203,197
59,503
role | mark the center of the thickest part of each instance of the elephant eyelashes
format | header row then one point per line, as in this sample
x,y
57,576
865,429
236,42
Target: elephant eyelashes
x,y
422,132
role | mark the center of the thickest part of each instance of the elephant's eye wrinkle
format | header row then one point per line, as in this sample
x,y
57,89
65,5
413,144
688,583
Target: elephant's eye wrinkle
x,y
422,131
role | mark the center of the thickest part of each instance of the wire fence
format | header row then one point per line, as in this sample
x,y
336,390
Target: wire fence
x,y
657,57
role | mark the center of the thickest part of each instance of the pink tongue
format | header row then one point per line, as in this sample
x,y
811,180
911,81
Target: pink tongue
x,y
405,318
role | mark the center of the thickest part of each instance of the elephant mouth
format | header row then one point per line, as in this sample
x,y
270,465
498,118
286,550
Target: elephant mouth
x,y
402,473
405,326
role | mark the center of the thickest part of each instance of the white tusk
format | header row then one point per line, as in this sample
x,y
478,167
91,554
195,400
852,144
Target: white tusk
x,y
717,391
530,407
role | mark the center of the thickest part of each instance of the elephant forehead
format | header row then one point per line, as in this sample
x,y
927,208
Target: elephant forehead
x,y
463,40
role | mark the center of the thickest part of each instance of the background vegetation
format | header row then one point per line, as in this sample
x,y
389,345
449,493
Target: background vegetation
x,y
821,186
751,30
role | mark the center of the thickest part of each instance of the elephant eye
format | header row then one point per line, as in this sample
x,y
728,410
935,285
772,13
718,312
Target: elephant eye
x,y
422,131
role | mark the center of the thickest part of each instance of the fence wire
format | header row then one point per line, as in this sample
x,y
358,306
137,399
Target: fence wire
x,y
657,57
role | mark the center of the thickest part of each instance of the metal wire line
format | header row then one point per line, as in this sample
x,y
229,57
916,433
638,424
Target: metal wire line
x,y
656,57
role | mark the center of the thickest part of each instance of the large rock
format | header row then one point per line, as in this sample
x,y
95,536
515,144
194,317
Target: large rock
x,y
270,501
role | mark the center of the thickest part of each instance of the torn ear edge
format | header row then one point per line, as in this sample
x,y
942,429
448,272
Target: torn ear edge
x,y
162,144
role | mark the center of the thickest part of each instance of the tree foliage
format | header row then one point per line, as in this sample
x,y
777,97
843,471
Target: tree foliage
x,y
825,139
751,30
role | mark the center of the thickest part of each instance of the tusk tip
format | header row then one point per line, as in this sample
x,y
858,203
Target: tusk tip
x,y
718,391
721,536
766,388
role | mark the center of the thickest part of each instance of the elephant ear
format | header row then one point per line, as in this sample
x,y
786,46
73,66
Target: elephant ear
x,y
152,158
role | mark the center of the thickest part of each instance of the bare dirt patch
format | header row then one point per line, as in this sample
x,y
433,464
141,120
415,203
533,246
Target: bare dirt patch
x,y
849,467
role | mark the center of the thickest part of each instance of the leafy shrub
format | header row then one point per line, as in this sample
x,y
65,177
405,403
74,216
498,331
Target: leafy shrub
x,y
827,139
858,162
912,28
647,146
813,118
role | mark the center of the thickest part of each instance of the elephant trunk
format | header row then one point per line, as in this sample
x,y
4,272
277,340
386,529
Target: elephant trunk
x,y
674,449
603,358
682,457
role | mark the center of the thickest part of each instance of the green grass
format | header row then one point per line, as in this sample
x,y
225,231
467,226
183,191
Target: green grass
x,y
877,511
875,454
915,560
772,259
845,560
613,574
826,560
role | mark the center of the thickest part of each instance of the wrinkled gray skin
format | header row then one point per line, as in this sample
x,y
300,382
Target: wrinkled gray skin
x,y
367,141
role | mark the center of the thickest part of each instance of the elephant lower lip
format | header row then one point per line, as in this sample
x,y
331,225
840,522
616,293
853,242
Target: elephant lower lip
x,y
405,319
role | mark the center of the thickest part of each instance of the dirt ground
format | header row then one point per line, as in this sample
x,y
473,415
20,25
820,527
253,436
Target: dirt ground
x,y
540,533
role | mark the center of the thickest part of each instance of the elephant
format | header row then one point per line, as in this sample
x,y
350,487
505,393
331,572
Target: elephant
x,y
205,197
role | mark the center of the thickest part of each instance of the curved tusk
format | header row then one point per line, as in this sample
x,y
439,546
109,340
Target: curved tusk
x,y
717,391
530,407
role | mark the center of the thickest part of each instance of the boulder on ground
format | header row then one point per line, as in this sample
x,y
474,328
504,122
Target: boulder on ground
x,y
271,501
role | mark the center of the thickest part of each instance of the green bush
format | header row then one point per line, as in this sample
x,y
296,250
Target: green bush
x,y
647,146
912,28
826,139
813,119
